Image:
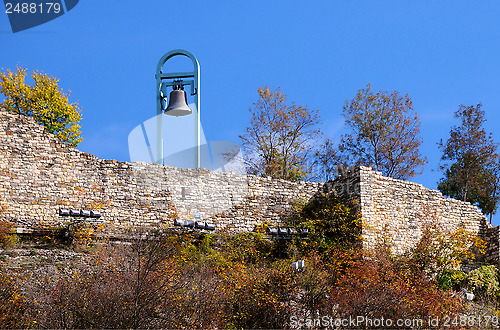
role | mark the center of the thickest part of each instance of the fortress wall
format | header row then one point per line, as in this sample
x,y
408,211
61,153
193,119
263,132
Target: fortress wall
x,y
401,209
39,174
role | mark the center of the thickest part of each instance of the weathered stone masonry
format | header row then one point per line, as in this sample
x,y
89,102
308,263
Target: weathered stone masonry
x,y
39,174
401,209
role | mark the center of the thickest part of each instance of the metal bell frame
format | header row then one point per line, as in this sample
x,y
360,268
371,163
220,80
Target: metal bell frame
x,y
175,79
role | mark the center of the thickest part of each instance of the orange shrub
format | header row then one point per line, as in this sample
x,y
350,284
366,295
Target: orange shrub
x,y
5,228
377,288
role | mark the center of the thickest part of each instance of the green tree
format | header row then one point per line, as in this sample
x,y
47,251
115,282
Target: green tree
x,y
471,168
385,133
43,101
280,138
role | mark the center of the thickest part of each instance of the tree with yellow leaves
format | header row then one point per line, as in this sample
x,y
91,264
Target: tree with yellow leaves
x,y
43,101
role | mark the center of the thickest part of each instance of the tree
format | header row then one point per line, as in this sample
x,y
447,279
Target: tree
x,y
327,161
473,173
43,101
279,139
385,133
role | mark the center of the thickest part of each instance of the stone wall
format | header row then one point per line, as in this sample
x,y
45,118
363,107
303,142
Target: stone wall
x,y
39,174
401,209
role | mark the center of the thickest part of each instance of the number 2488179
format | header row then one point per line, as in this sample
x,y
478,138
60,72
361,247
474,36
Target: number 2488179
x,y
33,8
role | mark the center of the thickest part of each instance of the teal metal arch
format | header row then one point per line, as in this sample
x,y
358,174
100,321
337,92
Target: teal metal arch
x,y
170,79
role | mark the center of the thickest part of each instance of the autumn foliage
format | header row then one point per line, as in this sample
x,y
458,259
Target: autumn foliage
x,y
384,133
280,138
14,307
5,228
44,101
381,288
171,279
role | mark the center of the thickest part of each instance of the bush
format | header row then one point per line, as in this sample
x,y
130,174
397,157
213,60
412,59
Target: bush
x,y
483,281
451,279
378,288
333,222
249,248
119,287
438,250
7,239
5,228
180,280
160,281
13,305
260,297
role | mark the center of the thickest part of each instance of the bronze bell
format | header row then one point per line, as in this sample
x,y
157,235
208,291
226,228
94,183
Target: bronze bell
x,y
177,104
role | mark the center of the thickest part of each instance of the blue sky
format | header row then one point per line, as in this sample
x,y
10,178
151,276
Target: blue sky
x,y
320,53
